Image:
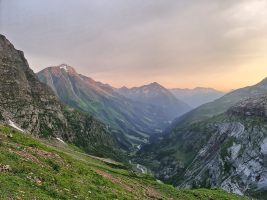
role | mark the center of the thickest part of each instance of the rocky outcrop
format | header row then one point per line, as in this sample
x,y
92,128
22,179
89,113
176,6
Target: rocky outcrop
x,y
234,159
5,168
254,106
23,98
33,107
228,151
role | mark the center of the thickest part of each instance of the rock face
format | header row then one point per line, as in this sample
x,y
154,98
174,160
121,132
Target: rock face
x,y
23,98
233,157
253,106
228,151
231,160
33,107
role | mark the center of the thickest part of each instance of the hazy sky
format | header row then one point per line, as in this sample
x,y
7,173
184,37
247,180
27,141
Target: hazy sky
x,y
178,43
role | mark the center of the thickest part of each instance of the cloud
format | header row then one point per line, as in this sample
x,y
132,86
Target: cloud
x,y
155,40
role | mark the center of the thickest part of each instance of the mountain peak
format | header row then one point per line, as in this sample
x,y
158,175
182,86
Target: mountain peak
x,y
67,68
7,50
155,94
123,88
263,82
4,40
155,84
64,66
59,69
204,89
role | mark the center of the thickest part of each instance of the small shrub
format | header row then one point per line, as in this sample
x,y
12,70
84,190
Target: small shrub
x,y
54,165
33,145
46,133
1,116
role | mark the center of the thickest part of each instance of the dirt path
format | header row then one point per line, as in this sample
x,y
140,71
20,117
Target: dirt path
x,y
148,192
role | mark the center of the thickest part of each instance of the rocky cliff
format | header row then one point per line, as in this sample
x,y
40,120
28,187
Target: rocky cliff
x,y
234,159
32,106
228,151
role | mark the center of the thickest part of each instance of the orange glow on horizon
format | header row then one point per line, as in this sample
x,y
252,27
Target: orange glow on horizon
x,y
238,78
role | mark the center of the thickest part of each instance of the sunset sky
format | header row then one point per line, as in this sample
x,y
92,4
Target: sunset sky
x,y
178,43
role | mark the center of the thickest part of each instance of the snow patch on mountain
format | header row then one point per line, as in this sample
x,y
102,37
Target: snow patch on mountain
x,y
64,67
142,168
11,123
60,140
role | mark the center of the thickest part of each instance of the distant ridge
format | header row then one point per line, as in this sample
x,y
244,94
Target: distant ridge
x,y
156,94
197,96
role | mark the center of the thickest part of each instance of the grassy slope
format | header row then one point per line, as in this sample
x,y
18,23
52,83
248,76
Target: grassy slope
x,y
58,171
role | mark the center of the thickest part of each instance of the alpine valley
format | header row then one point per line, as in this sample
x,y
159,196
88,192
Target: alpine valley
x,y
221,144
133,100
70,137
134,118
64,135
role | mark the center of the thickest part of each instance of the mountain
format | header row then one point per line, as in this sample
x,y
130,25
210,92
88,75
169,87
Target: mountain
x,y
31,168
197,96
132,119
157,95
235,156
31,106
227,150
37,152
221,105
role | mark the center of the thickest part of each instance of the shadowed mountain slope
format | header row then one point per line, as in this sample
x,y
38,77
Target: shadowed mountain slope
x,y
27,103
157,95
227,150
132,118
